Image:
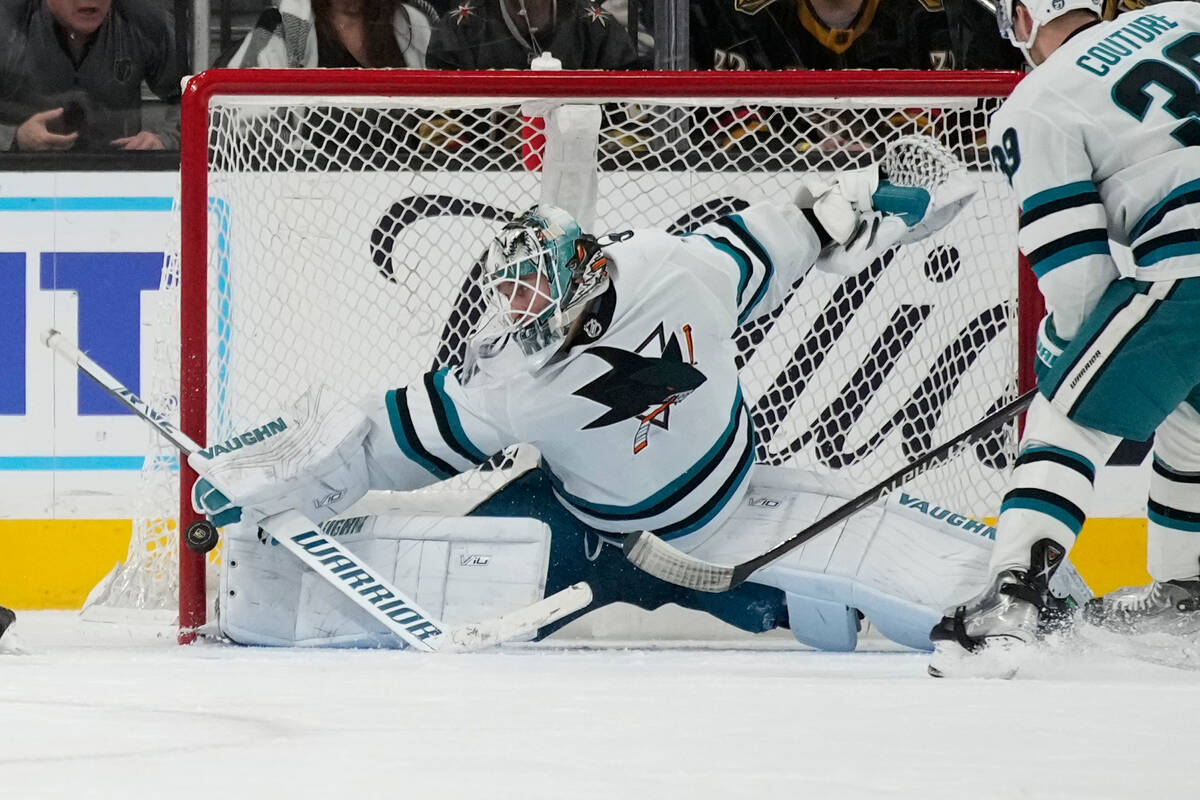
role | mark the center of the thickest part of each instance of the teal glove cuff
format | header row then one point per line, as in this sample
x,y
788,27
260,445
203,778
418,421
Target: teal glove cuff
x,y
1049,346
209,501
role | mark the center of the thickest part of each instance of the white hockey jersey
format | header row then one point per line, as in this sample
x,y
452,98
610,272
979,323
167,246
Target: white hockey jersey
x,y
1099,142
642,426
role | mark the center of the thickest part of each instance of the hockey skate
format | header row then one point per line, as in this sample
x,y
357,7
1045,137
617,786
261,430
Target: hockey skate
x,y
1160,607
8,640
984,637
7,618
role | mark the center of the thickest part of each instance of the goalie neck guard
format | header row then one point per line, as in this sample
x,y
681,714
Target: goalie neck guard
x,y
541,270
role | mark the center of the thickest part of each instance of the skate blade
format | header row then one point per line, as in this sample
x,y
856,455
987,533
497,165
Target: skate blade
x,y
999,660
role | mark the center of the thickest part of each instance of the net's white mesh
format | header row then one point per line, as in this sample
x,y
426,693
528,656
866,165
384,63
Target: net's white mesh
x,y
345,238
918,161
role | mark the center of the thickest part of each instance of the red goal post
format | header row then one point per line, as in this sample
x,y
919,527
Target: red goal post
x,y
681,129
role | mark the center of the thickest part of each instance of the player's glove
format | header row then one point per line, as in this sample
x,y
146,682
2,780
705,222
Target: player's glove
x,y
1049,346
840,208
915,191
311,459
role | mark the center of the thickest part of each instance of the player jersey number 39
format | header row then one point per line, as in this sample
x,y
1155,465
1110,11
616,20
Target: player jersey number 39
x,y
1181,78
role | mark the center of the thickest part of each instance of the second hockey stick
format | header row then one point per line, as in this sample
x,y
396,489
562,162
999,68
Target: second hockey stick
x,y
650,553
352,576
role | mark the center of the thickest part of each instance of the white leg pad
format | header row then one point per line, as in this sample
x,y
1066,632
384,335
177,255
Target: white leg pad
x,y
461,569
900,563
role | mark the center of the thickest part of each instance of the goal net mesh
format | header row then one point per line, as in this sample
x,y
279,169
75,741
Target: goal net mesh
x,y
345,236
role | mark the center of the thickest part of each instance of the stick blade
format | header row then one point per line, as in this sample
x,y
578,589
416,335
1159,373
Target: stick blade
x,y
515,624
651,554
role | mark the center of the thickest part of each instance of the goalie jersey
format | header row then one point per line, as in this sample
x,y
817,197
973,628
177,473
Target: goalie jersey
x,y
1097,143
641,423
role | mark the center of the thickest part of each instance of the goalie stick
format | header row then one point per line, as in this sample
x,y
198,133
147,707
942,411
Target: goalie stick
x,y
650,553
333,562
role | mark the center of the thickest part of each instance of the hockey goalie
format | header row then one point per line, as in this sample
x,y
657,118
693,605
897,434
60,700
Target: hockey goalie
x,y
556,365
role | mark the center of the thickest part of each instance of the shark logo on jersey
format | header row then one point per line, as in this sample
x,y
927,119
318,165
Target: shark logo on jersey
x,y
643,387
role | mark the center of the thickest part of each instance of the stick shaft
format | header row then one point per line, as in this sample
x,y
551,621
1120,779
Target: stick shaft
x,y
888,484
327,557
659,558
64,347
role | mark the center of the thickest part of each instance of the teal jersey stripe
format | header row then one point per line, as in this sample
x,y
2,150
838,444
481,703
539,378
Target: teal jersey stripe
x,y
719,503
1069,454
454,421
744,267
1043,507
1150,216
735,224
705,462
406,437
1189,526
1057,193
1068,255
1158,254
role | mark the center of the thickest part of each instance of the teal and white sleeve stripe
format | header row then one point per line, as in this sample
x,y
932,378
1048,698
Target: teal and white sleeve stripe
x,y
429,431
764,249
1169,231
1064,236
1054,482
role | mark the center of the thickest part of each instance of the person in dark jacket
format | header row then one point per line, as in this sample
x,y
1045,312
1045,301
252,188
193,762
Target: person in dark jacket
x,y
71,74
509,34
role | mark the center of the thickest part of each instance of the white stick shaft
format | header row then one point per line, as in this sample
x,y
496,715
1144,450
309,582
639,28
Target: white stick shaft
x,y
478,635
63,346
354,578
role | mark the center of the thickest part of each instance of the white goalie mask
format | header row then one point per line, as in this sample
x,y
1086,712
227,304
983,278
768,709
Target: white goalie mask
x,y
540,272
1042,11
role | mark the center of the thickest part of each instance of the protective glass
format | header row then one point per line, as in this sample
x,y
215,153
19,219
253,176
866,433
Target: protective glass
x,y
1004,19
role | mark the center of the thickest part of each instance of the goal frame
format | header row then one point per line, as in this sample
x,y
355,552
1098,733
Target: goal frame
x,y
579,85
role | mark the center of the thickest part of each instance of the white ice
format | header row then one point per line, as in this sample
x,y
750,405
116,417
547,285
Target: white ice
x,y
107,711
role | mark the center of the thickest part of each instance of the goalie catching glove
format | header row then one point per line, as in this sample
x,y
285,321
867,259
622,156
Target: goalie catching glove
x,y
915,191
311,459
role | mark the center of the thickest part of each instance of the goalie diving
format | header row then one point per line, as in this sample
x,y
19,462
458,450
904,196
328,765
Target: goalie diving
x,y
631,437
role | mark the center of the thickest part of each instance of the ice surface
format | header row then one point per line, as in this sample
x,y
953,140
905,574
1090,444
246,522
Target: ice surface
x,y
107,711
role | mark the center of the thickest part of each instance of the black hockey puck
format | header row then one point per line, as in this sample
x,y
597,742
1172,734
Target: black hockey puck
x,y
201,536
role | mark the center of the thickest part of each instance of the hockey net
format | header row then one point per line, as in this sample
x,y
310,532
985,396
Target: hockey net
x,y
333,223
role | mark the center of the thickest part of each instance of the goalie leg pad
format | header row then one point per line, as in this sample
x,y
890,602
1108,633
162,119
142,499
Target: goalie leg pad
x,y
900,563
459,569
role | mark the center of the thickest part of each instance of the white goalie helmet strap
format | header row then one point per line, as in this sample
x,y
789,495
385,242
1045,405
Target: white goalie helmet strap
x,y
1042,12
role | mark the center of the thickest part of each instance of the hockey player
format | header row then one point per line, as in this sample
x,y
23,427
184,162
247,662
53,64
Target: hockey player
x,y
1098,143
614,357
7,618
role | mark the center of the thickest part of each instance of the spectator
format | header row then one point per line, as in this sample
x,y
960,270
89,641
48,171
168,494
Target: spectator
x,y
338,33
975,39
846,34
71,73
499,34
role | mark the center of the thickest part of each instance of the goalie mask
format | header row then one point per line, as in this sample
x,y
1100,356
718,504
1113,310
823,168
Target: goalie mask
x,y
1042,11
540,272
